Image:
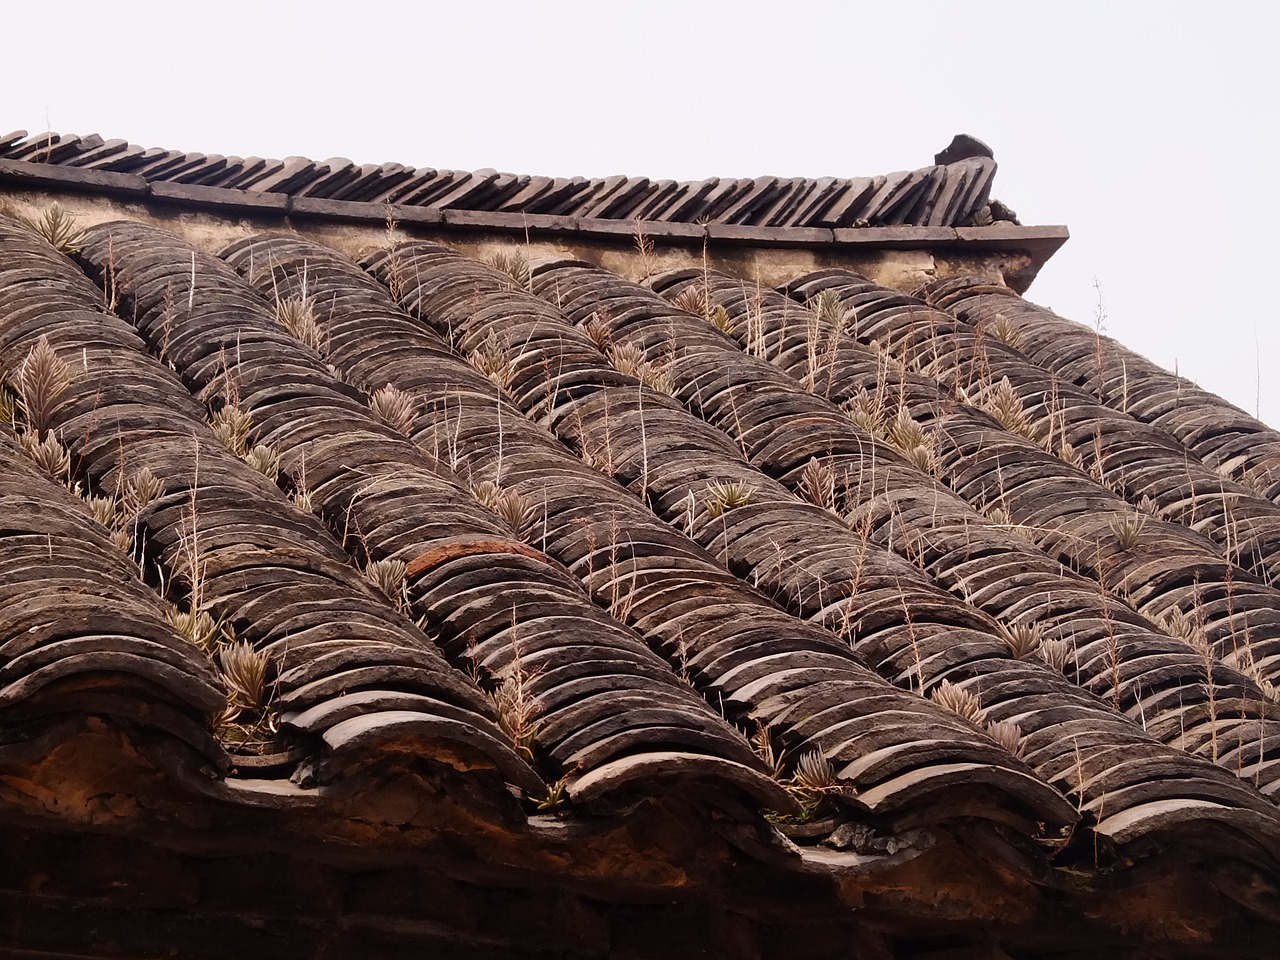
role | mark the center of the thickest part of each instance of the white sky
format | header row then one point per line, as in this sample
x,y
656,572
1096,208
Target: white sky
x,y
1150,129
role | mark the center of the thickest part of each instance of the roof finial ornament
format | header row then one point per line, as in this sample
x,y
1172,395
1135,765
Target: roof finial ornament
x,y
962,147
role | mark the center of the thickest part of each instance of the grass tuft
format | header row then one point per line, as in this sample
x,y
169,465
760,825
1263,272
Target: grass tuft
x,y
8,406
1128,531
866,412
395,408
389,577
491,359
1056,653
598,332
518,711
107,511
49,454
1024,639
1002,401
958,700
818,484
59,228
827,308
298,315
629,359
244,670
1004,330
303,499
42,379
233,426
1008,735
720,498
123,539
692,299
514,265
265,459
140,490
507,504
197,626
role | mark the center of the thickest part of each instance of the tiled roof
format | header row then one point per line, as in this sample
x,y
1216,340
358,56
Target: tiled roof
x,y
945,194
830,575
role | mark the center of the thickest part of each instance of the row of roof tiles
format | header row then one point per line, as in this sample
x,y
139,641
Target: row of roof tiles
x,y
653,626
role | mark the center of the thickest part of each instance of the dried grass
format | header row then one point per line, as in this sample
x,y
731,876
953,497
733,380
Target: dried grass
x,y
59,228
389,577
1024,639
514,265
818,484
49,454
43,377
958,700
1008,735
298,315
265,459
141,489
395,408
233,427
244,671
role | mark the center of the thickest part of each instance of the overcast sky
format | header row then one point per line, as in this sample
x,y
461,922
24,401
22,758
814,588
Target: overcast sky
x,y
1150,129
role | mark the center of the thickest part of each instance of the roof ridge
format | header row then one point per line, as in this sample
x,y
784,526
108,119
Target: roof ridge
x,y
951,194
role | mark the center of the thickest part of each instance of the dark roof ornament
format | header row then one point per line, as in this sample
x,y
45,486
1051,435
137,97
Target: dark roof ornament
x,y
962,147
